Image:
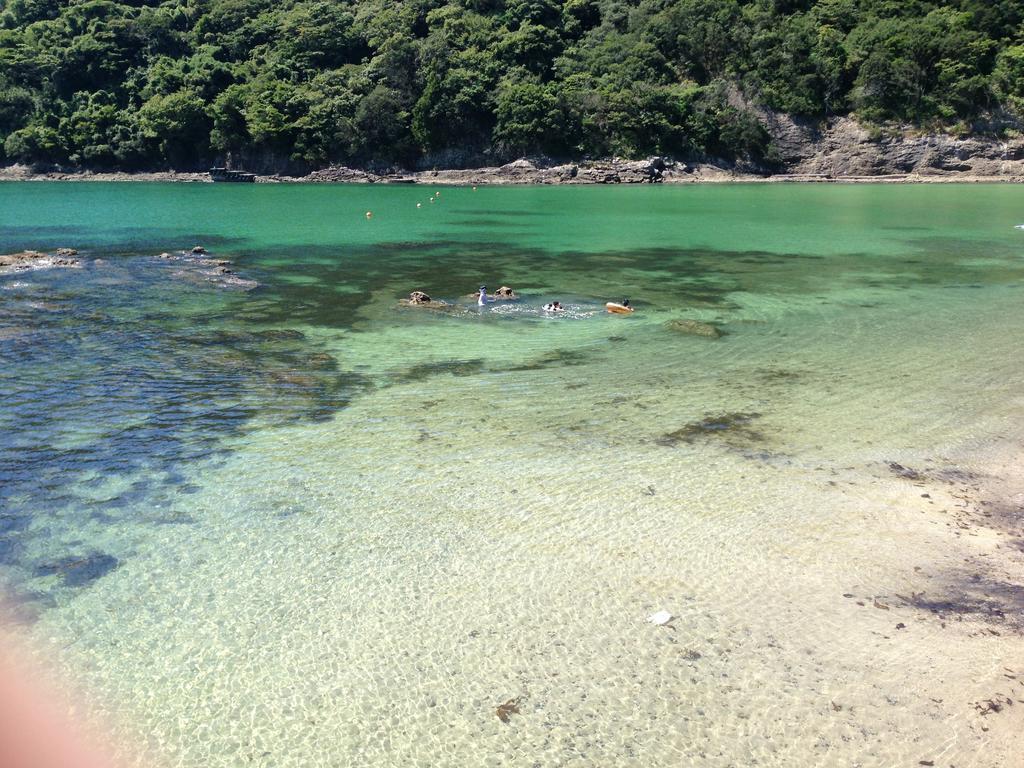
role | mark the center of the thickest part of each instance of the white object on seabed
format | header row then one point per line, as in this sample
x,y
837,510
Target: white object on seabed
x,y
660,619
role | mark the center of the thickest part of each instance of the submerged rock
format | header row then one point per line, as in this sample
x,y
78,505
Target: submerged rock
x,y
694,328
198,268
219,277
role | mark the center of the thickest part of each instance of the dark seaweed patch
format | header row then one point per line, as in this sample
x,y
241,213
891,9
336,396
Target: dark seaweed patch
x,y
554,359
907,473
10,550
491,222
778,376
80,571
140,393
975,596
728,427
506,213
453,367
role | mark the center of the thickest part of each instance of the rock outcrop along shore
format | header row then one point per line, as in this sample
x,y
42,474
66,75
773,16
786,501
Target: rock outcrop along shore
x,y
839,150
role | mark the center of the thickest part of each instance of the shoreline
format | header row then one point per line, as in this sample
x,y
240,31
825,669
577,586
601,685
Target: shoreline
x,y
524,173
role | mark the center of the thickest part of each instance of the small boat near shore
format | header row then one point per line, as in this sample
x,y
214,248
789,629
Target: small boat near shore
x,y
223,174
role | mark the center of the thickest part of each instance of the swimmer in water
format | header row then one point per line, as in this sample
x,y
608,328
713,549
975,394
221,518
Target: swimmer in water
x,y
625,302
482,299
554,306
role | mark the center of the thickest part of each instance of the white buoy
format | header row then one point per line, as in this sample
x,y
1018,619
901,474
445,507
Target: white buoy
x,y
419,205
474,189
369,214
660,619
431,199
438,193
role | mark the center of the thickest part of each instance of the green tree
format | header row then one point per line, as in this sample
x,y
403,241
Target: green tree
x,y
179,125
529,118
35,144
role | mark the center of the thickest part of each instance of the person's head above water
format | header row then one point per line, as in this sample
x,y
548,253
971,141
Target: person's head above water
x,y
625,302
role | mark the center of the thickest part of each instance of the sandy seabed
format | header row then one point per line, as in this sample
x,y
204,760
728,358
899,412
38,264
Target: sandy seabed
x,y
429,579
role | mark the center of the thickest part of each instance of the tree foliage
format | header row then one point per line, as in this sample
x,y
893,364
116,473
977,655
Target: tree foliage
x,y
301,83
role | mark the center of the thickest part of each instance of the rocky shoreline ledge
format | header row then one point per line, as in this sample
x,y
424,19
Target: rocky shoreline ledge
x,y
839,151
24,260
194,265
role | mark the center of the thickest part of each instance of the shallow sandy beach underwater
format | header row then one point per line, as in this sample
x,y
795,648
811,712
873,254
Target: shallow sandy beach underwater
x,y
456,566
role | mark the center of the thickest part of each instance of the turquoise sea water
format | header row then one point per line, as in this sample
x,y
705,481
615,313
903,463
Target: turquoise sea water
x,y
302,525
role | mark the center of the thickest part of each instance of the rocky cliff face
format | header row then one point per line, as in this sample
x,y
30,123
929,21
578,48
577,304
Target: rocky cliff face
x,y
843,148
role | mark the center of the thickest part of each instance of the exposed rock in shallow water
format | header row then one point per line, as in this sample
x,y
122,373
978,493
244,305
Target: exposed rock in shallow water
x,y
14,262
694,328
420,299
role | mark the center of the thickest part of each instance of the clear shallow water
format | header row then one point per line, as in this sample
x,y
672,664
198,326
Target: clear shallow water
x,y
299,525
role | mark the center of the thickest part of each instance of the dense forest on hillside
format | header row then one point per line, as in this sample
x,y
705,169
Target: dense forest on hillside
x,y
302,83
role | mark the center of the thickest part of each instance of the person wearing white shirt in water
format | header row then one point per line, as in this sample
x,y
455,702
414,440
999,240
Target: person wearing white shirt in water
x,y
483,296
